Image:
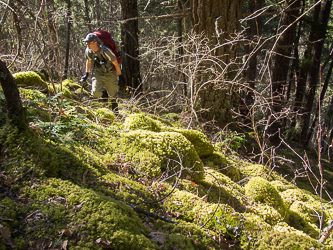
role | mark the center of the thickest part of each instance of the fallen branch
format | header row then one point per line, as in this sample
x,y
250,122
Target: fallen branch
x,y
327,231
152,215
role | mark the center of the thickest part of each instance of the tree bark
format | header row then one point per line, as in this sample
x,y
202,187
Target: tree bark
x,y
282,60
284,47
130,46
218,21
318,34
254,30
16,112
88,21
68,37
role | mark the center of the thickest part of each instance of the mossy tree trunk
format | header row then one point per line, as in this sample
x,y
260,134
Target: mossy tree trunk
x,y
218,21
16,112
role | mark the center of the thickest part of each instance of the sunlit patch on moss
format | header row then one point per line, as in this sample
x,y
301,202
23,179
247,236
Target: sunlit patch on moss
x,y
282,185
166,145
285,237
260,190
141,121
105,115
269,214
147,163
30,79
257,170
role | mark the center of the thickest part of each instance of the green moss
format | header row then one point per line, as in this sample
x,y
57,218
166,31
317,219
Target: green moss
x,y
201,143
92,216
167,146
141,121
306,205
147,163
105,115
41,75
187,236
257,170
146,122
216,160
296,194
285,237
269,214
217,187
66,91
30,79
282,185
260,190
31,94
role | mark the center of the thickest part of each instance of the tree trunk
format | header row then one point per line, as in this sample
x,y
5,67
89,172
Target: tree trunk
x,y
281,64
254,30
86,9
68,37
218,21
319,33
16,112
321,98
284,47
130,46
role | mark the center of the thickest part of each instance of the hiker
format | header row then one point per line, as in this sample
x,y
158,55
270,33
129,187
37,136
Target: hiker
x,y
103,63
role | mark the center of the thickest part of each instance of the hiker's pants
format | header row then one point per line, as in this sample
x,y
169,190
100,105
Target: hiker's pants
x,y
104,80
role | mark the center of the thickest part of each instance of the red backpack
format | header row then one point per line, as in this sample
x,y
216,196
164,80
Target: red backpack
x,y
108,41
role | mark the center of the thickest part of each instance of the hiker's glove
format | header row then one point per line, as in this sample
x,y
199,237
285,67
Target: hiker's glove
x,y
84,78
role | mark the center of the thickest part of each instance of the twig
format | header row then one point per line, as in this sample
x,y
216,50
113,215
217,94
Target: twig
x,y
326,232
152,215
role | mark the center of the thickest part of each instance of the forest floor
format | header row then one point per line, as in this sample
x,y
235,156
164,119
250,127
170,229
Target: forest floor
x,y
83,177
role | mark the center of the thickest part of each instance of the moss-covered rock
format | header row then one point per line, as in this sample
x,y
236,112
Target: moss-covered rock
x,y
172,149
306,205
283,236
30,79
92,216
201,143
282,185
142,122
148,163
260,190
105,115
145,122
269,214
258,170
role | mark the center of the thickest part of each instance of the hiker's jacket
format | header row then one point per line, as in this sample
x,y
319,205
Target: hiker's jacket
x,y
101,59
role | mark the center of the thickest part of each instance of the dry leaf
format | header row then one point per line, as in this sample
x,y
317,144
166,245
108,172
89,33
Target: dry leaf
x,y
5,233
84,177
125,168
78,207
66,232
103,243
35,216
9,181
161,188
64,245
